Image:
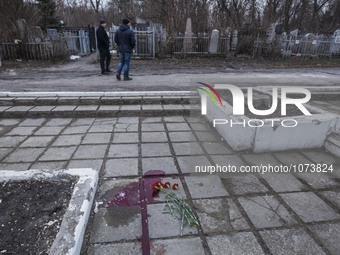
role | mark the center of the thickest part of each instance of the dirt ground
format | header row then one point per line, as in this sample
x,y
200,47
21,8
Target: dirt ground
x,y
31,214
167,74
183,65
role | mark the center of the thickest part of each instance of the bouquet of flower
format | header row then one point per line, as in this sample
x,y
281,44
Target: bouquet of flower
x,y
177,207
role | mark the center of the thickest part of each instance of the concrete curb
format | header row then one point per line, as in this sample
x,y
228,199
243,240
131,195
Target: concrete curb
x,y
98,94
71,233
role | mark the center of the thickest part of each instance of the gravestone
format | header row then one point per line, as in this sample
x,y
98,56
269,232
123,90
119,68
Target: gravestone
x,y
234,40
22,27
293,36
228,38
271,33
309,44
35,35
335,45
213,45
187,43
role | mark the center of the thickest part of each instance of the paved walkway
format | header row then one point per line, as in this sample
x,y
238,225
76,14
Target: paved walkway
x,y
252,214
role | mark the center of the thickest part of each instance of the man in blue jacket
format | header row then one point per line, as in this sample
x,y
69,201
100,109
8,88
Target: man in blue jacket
x,y
126,41
103,45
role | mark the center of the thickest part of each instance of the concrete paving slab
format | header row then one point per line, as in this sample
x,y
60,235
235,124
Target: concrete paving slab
x,y
49,130
37,141
22,155
290,242
15,166
152,127
182,136
208,136
328,234
101,129
319,181
58,153
226,160
21,109
245,184
51,166
55,122
90,152
165,164
168,119
333,196
186,149
82,122
217,148
260,159
188,164
121,167
97,138
219,216
205,186
22,131
133,248
148,137
239,243
4,152
178,127
191,246
320,157
9,122
11,141
95,164
152,120
128,120
125,127
75,130
126,138
155,150
157,220
266,212
116,224
309,207
283,182
123,151
67,140
288,158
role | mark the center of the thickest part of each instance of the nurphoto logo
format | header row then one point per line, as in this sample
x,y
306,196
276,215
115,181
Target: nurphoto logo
x,y
239,99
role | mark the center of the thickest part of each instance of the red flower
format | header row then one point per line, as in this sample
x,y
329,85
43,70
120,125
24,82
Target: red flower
x,y
175,186
167,185
155,192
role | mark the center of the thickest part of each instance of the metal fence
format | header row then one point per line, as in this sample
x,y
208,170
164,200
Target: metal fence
x,y
298,46
78,41
145,43
32,51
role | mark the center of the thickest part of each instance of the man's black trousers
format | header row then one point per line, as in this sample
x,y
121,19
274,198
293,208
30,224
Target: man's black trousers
x,y
105,59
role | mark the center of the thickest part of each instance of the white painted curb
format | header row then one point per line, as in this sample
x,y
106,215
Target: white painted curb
x,y
98,94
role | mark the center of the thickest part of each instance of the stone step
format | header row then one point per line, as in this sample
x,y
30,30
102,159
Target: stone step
x,y
96,110
83,100
332,144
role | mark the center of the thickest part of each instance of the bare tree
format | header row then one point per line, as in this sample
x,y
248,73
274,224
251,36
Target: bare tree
x,y
95,5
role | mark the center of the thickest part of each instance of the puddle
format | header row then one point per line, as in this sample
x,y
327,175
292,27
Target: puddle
x,y
121,216
130,194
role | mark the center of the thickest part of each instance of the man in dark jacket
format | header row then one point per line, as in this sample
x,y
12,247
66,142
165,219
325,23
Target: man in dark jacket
x,y
126,41
103,44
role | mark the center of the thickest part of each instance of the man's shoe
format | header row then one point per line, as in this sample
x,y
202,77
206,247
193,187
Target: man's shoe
x,y
108,71
118,77
105,73
127,79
